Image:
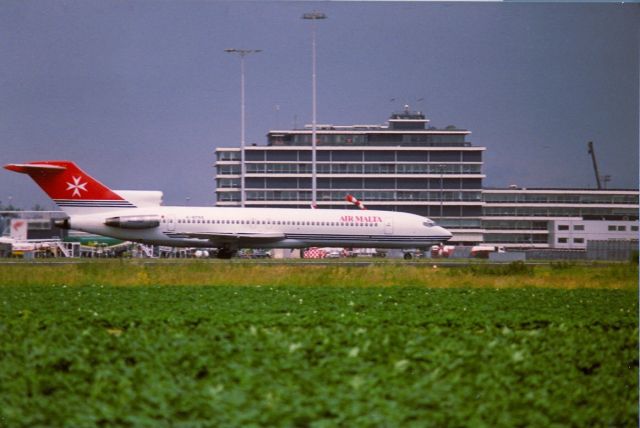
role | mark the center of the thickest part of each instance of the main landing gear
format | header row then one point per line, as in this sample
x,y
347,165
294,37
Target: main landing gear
x,y
226,253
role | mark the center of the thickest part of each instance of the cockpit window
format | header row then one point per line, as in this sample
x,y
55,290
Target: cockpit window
x,y
428,223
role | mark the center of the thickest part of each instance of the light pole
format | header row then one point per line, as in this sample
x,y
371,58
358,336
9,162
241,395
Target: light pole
x,y
313,16
441,169
242,53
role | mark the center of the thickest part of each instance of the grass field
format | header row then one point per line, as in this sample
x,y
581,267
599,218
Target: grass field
x,y
171,272
400,346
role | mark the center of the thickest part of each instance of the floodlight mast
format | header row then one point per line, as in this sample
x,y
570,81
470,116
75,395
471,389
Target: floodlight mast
x,y
242,53
313,17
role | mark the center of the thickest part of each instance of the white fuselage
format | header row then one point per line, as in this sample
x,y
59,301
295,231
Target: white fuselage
x,y
265,227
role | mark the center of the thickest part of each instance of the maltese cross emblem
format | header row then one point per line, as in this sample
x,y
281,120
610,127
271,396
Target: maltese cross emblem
x,y
77,186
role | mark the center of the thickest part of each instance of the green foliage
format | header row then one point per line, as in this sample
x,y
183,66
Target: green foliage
x,y
316,356
513,268
562,265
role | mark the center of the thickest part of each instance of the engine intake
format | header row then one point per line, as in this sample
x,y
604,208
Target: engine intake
x,y
134,221
62,223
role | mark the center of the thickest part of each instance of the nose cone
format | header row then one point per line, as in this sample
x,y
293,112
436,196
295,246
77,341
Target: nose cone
x,y
446,235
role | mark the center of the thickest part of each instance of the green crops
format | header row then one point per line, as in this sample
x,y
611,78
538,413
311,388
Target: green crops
x,y
317,356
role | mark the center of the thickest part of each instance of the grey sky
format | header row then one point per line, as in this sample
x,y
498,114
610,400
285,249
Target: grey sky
x,y
139,93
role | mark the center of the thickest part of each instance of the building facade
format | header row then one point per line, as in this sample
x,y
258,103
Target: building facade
x,y
558,218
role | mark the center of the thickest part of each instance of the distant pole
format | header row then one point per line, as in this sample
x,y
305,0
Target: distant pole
x,y
313,16
242,53
441,169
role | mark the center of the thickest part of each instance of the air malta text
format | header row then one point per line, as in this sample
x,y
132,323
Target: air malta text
x,y
360,219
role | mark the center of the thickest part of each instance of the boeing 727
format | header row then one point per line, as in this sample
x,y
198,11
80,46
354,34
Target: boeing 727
x,y
139,216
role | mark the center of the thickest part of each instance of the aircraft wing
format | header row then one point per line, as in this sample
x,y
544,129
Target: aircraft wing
x,y
252,237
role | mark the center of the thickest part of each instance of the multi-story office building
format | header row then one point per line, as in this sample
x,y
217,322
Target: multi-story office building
x,y
404,165
409,166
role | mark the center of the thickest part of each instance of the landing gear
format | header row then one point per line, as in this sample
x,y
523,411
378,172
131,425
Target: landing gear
x,y
226,253
408,256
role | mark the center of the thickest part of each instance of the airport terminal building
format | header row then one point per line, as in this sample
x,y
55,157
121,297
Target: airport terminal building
x,y
558,218
407,165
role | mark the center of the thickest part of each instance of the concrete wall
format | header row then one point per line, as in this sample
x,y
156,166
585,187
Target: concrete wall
x,y
511,256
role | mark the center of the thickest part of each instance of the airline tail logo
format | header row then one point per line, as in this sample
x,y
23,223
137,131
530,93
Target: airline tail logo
x,y
69,186
77,186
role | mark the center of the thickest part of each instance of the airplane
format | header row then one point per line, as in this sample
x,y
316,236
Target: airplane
x,y
138,216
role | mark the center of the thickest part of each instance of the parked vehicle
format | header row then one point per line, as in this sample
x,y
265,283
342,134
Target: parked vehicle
x,y
483,251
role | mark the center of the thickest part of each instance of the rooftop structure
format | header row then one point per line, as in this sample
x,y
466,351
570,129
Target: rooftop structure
x,y
404,129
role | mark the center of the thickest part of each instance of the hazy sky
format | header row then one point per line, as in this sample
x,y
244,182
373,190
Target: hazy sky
x,y
139,93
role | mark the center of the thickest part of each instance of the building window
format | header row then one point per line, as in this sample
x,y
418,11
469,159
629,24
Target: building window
x,y
634,228
578,227
229,156
622,228
578,240
562,240
563,227
612,228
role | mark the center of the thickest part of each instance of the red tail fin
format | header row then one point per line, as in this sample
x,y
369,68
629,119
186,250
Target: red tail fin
x,y
69,186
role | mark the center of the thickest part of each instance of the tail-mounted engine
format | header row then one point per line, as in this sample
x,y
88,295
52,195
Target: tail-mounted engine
x,y
134,221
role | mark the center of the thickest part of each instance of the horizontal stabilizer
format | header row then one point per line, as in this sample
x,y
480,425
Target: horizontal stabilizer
x,y
31,168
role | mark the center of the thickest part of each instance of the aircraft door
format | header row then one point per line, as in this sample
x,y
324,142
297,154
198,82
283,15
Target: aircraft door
x,y
171,223
388,227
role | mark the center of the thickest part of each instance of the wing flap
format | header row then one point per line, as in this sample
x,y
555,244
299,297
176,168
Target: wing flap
x,y
236,237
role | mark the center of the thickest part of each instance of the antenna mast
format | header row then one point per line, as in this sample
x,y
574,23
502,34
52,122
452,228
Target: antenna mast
x,y
595,164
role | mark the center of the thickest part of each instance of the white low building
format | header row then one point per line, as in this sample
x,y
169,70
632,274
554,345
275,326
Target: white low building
x,y
573,234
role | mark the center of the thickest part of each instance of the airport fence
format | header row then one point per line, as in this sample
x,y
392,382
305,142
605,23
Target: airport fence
x,y
612,249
